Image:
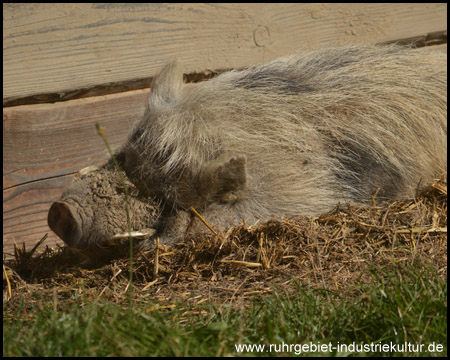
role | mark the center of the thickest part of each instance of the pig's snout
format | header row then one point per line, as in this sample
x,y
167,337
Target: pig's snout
x,y
65,222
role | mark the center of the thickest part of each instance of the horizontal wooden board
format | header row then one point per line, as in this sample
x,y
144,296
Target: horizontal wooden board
x,y
61,48
47,140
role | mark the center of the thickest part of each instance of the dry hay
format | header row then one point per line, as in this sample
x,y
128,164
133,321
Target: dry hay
x,y
334,250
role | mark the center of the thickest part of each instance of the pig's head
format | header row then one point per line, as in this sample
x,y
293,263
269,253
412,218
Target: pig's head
x,y
91,212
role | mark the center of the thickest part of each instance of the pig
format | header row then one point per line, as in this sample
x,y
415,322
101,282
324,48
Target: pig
x,y
295,136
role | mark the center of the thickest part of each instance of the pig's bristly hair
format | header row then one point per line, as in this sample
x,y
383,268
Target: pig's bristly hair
x,y
332,125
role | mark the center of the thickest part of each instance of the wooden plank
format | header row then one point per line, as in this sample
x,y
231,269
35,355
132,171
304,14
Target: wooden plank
x,y
62,48
48,140
44,143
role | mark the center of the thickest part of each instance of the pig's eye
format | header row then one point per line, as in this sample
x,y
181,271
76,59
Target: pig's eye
x,y
120,157
130,160
135,135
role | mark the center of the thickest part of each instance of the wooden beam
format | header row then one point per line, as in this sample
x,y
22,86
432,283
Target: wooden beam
x,y
60,51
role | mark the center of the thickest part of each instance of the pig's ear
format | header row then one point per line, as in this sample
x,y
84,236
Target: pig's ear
x,y
166,86
224,179
65,222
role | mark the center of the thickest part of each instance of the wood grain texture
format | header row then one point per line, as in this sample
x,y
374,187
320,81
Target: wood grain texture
x,y
61,48
48,140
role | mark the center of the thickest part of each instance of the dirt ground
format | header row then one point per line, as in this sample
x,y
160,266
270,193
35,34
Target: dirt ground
x,y
334,251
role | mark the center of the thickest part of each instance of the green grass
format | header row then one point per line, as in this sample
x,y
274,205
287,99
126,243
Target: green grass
x,y
406,305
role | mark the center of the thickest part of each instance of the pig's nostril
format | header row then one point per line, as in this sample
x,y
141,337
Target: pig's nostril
x,y
65,223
